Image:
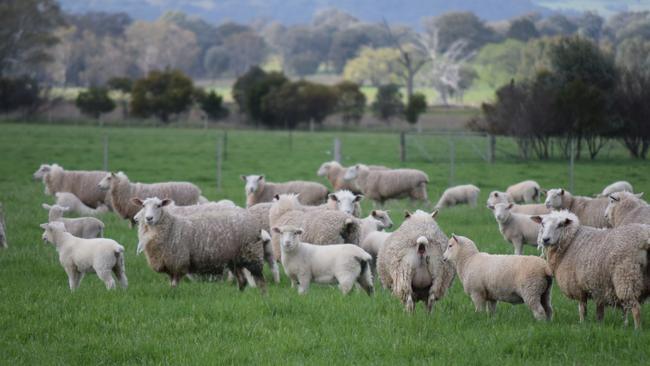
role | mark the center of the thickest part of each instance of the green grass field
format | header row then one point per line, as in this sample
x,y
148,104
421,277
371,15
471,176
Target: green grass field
x,y
42,322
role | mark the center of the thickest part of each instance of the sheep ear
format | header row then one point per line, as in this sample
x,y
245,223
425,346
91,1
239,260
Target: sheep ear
x,y
299,231
358,198
543,191
112,174
562,192
373,213
566,222
510,205
491,207
333,197
276,197
243,177
407,214
276,230
166,202
537,219
434,214
613,198
639,195
454,238
261,178
496,194
46,206
136,201
44,226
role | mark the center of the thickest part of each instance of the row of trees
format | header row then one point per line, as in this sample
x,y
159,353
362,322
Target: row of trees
x,y
582,98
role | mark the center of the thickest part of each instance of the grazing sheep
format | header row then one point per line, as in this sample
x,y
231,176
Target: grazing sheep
x,y
527,192
304,262
410,262
322,227
3,230
381,185
69,200
335,172
490,278
620,186
345,201
627,208
609,266
201,244
81,183
516,228
81,227
590,211
258,190
121,190
80,256
457,195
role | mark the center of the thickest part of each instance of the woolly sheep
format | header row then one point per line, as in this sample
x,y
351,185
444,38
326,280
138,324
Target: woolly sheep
x,y
381,185
609,266
258,190
457,195
69,200
373,235
490,278
590,211
410,262
335,173
3,230
627,208
529,209
202,244
527,191
81,227
345,201
81,183
304,262
322,227
516,228
260,213
79,256
620,186
121,190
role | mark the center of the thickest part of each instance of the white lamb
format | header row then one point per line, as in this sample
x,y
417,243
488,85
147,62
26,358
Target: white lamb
x,y
69,200
82,227
457,195
343,263
517,229
527,191
620,186
79,256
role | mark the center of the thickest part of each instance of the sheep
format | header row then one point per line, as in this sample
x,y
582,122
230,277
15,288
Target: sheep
x,y
620,186
627,208
609,266
527,191
516,228
121,190
372,233
381,185
335,172
81,227
69,200
321,227
457,195
258,190
410,262
81,183
529,209
202,244
345,201
3,230
488,278
498,197
590,211
304,262
79,256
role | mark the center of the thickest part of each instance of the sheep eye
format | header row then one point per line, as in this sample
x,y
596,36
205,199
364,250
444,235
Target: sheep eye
x,y
158,206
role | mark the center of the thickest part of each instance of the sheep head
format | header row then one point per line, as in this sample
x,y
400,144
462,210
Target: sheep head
x,y
555,198
555,226
289,236
254,183
151,209
41,171
344,200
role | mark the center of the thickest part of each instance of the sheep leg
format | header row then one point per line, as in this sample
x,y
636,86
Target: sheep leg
x,y
636,315
491,307
275,270
536,307
249,278
365,281
120,274
346,285
479,302
600,312
258,276
546,303
303,284
582,310
107,278
241,278
74,278
410,305
175,279
519,246
430,302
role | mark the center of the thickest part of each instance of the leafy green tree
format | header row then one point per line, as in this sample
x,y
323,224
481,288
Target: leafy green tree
x,y
121,83
351,101
296,102
94,102
634,54
632,113
162,94
454,26
250,88
212,104
497,63
373,66
415,107
19,93
388,102
522,29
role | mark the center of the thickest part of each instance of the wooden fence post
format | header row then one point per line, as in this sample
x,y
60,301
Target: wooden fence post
x,y
452,160
492,142
219,163
402,147
337,150
105,152
572,165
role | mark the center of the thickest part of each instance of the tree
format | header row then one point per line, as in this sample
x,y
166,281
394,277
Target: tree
x,y
632,112
94,102
212,104
414,108
296,102
345,46
250,88
245,49
388,102
21,93
27,33
455,26
162,94
634,54
557,25
100,23
351,101
497,63
303,49
216,61
412,59
373,66
123,85
318,100
522,29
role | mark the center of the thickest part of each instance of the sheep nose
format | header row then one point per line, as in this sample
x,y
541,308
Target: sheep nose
x,y
546,240
149,218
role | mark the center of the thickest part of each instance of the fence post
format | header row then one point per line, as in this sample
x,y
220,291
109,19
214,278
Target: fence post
x,y
219,163
290,140
492,142
225,145
402,146
105,152
337,150
452,160
572,164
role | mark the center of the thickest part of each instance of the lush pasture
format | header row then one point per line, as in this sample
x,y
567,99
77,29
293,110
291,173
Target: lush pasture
x,y
41,322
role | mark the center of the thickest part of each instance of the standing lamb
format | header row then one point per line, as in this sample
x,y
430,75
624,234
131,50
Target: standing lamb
x,y
382,185
590,211
304,262
258,190
410,262
516,228
373,235
80,256
69,200
527,191
3,230
627,208
608,266
335,173
81,183
620,186
488,278
81,227
202,244
121,191
457,195
529,209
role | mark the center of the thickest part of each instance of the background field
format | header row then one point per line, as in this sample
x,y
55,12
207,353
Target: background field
x,y
41,322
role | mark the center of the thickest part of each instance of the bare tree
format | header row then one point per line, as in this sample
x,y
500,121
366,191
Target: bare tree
x,y
411,58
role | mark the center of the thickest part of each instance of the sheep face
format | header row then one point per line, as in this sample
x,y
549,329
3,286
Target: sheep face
x,y
289,237
554,199
50,229
42,170
345,200
497,197
105,183
383,218
253,183
324,169
453,247
151,210
56,210
552,227
502,211
352,172
614,200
